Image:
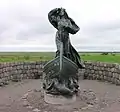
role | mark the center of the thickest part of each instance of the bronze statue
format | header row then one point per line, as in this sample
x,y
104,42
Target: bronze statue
x,y
61,72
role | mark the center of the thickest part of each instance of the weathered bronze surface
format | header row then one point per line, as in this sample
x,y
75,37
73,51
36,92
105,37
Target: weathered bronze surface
x,y
61,73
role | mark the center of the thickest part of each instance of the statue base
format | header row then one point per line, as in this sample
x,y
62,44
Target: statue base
x,y
59,99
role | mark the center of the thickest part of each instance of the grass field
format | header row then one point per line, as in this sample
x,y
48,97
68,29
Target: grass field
x,y
102,58
43,56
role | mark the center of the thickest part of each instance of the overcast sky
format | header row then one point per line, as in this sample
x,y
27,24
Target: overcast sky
x,y
24,24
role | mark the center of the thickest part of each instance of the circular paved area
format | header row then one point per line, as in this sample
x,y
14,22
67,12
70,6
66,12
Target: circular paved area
x,y
11,96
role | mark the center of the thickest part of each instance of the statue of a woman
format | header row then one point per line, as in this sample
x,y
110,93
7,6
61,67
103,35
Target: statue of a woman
x,y
65,81
65,25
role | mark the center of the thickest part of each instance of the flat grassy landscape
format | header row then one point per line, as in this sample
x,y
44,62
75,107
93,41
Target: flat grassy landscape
x,y
44,56
110,58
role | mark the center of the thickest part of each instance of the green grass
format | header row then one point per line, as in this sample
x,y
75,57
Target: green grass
x,y
102,58
25,56
43,56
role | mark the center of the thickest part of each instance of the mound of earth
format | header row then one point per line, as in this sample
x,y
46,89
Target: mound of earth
x,y
93,97
86,99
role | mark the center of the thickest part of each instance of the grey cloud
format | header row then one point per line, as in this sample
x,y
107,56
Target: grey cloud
x,y
115,25
102,27
115,42
2,29
105,33
32,26
31,15
39,29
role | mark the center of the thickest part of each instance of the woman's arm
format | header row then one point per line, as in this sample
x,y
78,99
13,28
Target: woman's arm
x,y
53,13
73,23
73,29
52,16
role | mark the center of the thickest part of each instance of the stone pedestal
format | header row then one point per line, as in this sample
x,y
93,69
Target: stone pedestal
x,y
59,99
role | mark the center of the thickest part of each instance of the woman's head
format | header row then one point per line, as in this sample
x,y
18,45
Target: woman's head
x,y
63,13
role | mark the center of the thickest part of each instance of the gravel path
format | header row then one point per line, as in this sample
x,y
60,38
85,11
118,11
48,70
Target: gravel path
x,y
108,96
10,96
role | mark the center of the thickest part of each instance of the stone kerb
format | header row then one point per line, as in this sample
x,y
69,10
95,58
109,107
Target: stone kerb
x,y
103,71
17,71
20,70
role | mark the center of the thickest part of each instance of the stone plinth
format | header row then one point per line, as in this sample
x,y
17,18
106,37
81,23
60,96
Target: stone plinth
x,y
59,99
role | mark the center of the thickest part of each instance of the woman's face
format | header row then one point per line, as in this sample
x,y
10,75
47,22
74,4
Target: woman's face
x,y
62,12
